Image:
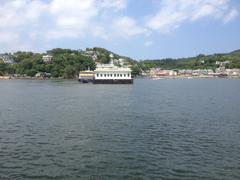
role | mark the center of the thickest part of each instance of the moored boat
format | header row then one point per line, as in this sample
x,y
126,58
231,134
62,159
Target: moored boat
x,y
86,76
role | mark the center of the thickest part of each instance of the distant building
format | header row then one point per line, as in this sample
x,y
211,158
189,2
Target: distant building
x,y
111,56
121,61
222,63
94,57
198,72
47,59
89,52
210,71
173,73
157,72
221,69
7,59
5,77
43,75
232,72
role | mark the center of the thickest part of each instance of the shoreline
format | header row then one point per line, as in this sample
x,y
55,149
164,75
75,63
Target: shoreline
x,y
189,77
32,78
149,78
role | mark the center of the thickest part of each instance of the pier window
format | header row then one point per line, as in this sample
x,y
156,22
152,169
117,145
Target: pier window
x,y
114,75
128,75
97,74
120,75
101,75
124,75
105,75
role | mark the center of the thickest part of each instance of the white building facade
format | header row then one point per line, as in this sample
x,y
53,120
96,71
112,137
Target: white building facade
x,y
110,74
47,59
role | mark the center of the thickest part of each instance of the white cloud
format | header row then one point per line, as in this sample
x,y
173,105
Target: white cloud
x,y
17,18
76,18
63,19
232,14
173,13
73,13
127,27
114,4
20,12
27,22
148,43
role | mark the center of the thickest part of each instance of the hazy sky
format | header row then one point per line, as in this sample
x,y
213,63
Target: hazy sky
x,y
136,28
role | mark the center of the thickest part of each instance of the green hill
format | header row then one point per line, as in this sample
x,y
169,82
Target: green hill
x,y
67,63
199,62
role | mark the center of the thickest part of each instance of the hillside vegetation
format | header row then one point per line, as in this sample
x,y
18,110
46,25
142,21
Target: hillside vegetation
x,y
67,63
198,62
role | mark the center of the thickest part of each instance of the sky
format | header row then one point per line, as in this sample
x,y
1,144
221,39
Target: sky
x,y
140,29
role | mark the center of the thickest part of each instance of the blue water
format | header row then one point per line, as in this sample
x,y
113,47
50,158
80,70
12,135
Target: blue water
x,y
164,129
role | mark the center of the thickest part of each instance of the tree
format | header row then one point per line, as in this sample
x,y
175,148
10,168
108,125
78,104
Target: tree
x,y
104,60
2,68
30,72
69,72
136,70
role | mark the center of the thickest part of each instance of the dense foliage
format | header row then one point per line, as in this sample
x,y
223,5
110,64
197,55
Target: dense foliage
x,y
66,63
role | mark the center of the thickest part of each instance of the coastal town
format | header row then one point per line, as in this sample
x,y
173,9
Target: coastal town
x,y
111,63
221,71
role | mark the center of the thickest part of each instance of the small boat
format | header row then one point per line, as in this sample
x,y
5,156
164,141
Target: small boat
x,y
86,76
156,78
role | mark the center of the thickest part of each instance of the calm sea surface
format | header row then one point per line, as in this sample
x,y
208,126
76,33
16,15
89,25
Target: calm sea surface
x,y
164,129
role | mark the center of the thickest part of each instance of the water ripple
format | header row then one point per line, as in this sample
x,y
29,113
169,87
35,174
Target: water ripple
x,y
175,129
